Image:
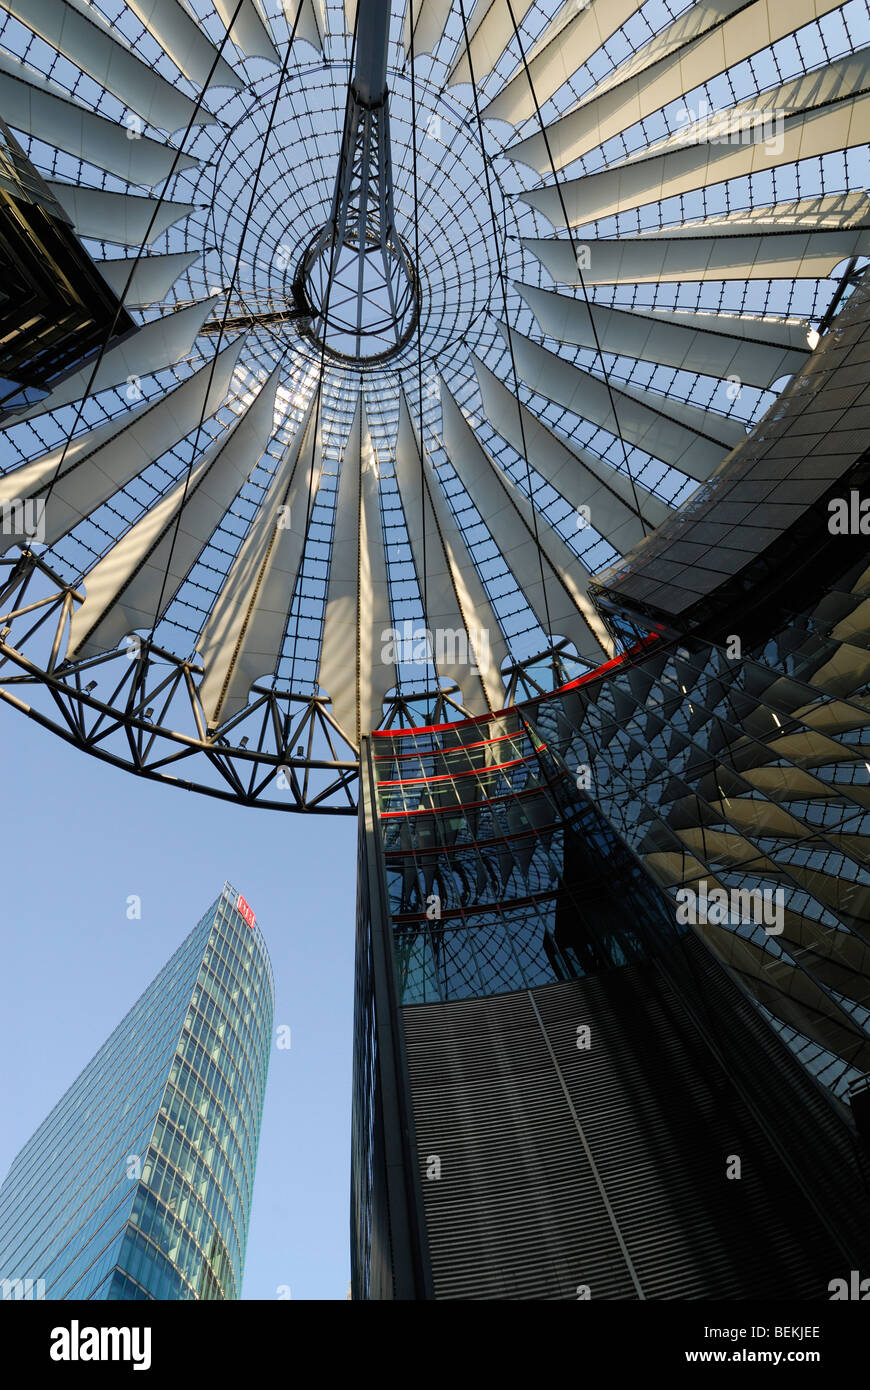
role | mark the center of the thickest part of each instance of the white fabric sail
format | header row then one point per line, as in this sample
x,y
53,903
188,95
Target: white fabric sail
x,y
353,666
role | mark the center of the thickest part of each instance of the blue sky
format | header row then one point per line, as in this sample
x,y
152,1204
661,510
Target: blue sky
x,y
79,837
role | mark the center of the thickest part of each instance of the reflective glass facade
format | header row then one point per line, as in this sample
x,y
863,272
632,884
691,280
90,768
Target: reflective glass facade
x,y
751,772
721,770
138,1184
523,876
501,874
552,1070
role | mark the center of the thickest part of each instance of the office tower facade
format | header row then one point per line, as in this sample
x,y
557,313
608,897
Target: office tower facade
x,y
560,1092
547,350
138,1184
612,999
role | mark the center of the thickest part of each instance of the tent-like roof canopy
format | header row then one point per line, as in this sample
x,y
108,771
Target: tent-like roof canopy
x,y
626,224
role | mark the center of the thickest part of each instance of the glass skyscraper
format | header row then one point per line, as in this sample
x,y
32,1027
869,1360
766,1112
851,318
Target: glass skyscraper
x,y
138,1184
508,484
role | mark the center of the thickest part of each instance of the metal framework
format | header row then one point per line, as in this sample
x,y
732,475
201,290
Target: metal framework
x,y
283,752
356,288
315,434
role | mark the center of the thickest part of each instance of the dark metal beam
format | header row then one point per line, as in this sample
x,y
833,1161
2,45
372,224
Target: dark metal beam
x,y
372,41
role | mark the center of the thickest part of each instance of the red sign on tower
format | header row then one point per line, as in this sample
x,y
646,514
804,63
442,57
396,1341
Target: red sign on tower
x,y
246,910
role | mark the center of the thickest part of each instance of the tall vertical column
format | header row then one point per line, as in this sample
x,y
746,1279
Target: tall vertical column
x,y
357,289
